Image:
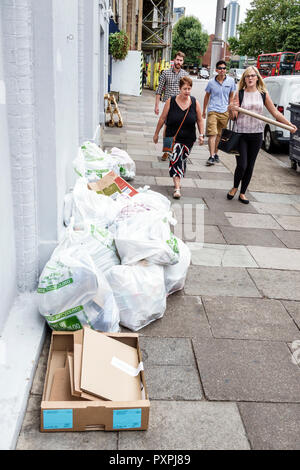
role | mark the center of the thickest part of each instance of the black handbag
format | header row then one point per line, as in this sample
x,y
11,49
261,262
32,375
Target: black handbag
x,y
230,140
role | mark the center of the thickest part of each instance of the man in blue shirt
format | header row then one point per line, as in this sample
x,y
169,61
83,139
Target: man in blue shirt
x,y
219,94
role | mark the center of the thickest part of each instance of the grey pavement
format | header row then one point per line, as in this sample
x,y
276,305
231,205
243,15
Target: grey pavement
x,y
223,364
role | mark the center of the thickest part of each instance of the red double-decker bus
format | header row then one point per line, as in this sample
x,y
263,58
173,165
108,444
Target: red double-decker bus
x,y
296,70
277,63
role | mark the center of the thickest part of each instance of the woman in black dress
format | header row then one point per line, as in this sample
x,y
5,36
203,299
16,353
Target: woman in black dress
x,y
174,111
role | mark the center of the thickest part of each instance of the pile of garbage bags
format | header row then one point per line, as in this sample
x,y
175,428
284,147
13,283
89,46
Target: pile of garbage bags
x,y
93,163
118,259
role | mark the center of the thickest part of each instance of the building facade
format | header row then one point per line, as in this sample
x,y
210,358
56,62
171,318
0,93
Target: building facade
x,y
53,77
206,58
232,20
179,12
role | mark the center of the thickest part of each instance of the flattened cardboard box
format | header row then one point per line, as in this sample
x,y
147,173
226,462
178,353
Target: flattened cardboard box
x,y
112,185
88,412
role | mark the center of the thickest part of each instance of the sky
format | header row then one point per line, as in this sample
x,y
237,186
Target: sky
x,y
205,11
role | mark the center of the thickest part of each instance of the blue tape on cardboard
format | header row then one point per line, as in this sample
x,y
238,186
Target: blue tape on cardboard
x,y
126,419
58,419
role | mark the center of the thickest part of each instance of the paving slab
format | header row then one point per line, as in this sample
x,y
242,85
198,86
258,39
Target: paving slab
x,y
241,318
209,254
194,201
189,426
184,317
272,426
275,198
215,217
237,370
274,208
32,439
291,239
188,213
215,176
173,383
212,234
144,158
277,284
213,184
166,351
251,236
190,232
276,258
167,181
294,310
288,222
252,220
144,180
220,281
269,175
224,205
200,165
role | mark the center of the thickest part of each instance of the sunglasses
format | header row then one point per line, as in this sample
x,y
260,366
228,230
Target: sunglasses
x,y
250,76
221,68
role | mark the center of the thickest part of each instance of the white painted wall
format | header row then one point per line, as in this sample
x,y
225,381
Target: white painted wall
x,y
8,283
89,68
53,76
126,74
56,113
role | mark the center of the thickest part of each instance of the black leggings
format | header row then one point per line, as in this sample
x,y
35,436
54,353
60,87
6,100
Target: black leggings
x,y
249,148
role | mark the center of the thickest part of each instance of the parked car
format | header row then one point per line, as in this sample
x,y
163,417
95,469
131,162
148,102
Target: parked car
x,y
283,90
236,74
203,73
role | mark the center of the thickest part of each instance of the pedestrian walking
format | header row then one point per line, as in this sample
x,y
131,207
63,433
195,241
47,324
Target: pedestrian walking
x,y
181,113
169,85
219,93
252,95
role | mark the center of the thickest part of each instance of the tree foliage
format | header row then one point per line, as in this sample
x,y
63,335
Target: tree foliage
x,y
270,26
189,38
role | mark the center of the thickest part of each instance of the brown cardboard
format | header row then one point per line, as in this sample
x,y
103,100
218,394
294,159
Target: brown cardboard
x,y
98,352
75,365
84,415
112,185
61,387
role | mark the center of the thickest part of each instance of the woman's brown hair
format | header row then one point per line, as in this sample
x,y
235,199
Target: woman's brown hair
x,y
185,81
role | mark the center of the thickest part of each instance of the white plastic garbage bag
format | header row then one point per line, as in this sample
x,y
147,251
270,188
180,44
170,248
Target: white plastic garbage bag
x,y
72,293
124,161
140,293
98,242
93,163
175,275
148,236
152,199
88,205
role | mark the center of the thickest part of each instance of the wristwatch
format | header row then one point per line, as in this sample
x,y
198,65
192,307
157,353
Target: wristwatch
x,y
201,135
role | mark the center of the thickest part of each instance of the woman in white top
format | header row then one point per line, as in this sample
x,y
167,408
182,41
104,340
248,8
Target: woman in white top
x,y
254,97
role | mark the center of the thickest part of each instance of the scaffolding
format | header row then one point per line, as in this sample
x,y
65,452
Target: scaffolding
x,y
157,27
157,37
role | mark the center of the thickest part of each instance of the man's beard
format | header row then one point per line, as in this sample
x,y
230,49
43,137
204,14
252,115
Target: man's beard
x,y
177,66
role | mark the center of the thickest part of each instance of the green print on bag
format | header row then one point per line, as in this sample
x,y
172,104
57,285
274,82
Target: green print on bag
x,y
66,321
42,290
55,277
173,244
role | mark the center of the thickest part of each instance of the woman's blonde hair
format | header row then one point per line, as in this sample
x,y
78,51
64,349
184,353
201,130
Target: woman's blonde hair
x,y
260,84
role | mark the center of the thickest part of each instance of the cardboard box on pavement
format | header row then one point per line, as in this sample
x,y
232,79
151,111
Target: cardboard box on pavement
x,y
94,381
112,185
